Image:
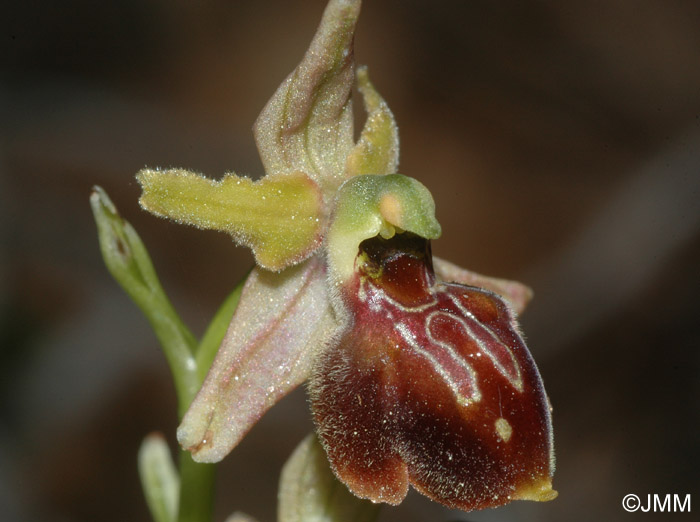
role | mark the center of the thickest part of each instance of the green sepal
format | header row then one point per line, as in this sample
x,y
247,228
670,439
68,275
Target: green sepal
x,y
309,490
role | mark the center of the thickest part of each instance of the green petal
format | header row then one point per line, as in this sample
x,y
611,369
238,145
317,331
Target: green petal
x,y
307,124
370,205
377,151
278,217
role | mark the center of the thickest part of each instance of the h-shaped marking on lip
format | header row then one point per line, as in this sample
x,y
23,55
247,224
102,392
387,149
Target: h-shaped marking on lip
x,y
445,359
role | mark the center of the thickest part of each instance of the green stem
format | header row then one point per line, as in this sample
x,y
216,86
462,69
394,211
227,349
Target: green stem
x,y
129,263
196,490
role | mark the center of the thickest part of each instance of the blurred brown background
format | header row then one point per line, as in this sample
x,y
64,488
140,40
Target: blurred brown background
x,y
561,141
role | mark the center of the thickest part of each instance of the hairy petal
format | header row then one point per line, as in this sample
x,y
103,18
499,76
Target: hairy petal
x,y
278,217
516,294
282,319
307,124
431,386
377,151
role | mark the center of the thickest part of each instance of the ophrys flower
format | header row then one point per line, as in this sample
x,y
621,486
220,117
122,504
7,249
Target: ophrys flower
x,y
417,378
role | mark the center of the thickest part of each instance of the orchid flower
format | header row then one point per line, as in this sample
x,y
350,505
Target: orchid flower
x,y
417,372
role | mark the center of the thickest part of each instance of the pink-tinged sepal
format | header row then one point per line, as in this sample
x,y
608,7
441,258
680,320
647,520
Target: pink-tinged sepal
x,y
268,350
431,386
516,294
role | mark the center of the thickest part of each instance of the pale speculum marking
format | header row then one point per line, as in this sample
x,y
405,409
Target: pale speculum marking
x,y
444,357
503,429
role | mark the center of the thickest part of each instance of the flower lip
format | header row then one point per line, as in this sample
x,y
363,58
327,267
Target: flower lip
x,y
431,386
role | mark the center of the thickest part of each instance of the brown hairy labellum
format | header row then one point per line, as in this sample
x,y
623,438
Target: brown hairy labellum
x,y
431,385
